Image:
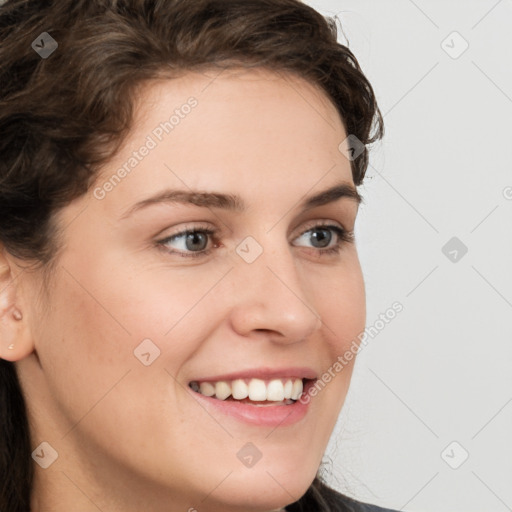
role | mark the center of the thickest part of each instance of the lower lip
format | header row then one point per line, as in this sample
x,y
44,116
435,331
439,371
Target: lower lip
x,y
268,415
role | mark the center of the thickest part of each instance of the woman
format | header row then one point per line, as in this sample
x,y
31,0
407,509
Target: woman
x,y
140,372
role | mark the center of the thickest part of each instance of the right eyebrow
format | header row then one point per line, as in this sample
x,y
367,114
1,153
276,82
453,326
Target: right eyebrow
x,y
235,203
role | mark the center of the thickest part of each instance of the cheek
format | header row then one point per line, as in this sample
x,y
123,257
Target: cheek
x,y
104,311
99,316
340,300
83,347
341,303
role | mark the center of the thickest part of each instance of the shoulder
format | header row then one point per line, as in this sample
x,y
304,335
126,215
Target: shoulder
x,y
359,506
322,497
366,507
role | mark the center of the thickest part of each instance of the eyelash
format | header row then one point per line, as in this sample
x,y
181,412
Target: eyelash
x,y
344,237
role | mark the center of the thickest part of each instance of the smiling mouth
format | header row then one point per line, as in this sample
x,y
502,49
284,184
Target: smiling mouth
x,y
258,392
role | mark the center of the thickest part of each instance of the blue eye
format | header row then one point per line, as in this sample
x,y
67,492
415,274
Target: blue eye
x,y
194,242
322,234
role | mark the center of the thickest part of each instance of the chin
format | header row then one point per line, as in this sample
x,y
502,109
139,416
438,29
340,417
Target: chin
x,y
263,489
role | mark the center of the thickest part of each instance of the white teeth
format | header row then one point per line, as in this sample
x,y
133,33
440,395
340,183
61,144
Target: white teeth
x,y
239,389
297,389
275,391
222,390
258,390
288,387
206,389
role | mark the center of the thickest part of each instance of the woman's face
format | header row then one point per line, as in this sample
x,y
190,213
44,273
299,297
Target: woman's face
x,y
133,316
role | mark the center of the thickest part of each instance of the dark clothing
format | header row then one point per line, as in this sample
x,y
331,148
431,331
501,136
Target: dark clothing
x,y
358,506
365,507
320,496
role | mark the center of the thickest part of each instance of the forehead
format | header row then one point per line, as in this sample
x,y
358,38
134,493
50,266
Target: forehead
x,y
241,104
231,129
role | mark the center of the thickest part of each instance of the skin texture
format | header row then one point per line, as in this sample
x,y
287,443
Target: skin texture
x,y
131,437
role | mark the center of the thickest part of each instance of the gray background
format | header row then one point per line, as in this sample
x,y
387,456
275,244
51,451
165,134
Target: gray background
x,y
440,371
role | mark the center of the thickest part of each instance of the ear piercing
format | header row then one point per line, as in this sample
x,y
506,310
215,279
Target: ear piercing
x,y
17,315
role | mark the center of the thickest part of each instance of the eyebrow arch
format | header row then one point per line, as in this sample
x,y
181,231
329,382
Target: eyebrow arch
x,y
235,203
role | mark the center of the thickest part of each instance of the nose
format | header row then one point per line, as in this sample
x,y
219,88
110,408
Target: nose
x,y
270,296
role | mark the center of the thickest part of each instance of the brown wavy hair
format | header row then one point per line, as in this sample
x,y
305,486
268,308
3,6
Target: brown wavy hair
x,y
64,116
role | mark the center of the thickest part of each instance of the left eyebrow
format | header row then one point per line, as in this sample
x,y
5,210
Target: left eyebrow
x,y
235,203
343,190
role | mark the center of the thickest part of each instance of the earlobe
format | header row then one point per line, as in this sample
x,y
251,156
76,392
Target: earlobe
x,y
15,341
9,335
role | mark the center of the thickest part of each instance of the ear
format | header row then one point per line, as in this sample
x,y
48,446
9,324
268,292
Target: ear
x,y
15,339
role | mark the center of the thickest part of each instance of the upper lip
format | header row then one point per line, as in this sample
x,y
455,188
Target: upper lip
x,y
264,373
